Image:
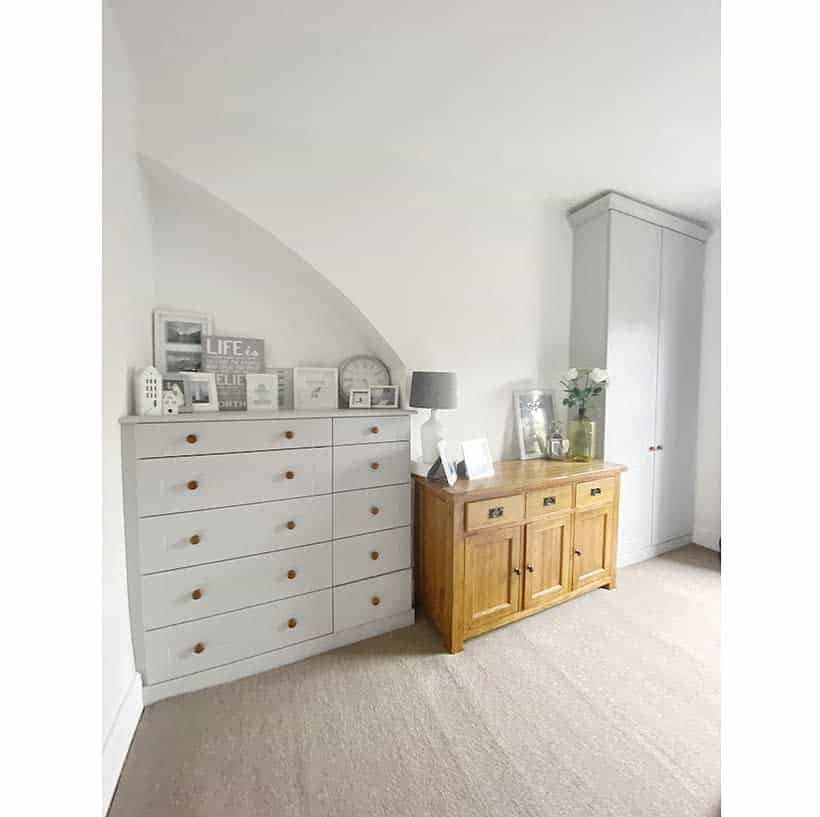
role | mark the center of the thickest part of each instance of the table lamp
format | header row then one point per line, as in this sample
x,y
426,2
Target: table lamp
x,y
433,390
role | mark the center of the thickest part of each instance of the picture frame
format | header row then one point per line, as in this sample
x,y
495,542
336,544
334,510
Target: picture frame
x,y
200,391
315,388
359,398
446,463
478,462
285,376
178,340
534,415
384,396
176,384
262,391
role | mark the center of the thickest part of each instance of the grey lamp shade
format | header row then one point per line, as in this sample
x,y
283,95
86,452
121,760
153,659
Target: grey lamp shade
x,y
434,390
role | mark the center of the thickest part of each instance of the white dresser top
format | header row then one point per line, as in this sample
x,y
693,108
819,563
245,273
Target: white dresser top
x,y
286,414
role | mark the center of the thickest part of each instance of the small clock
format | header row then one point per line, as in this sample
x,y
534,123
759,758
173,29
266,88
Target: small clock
x,y
361,372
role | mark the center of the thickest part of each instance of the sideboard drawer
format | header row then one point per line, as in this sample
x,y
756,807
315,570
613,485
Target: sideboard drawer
x,y
596,492
186,539
369,466
505,510
186,648
197,592
372,599
352,430
191,483
374,509
221,437
548,500
372,554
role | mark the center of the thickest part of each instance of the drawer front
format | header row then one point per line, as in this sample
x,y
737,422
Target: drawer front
x,y
595,492
193,483
186,539
372,554
367,511
353,430
548,500
197,592
369,466
504,510
172,651
222,437
358,603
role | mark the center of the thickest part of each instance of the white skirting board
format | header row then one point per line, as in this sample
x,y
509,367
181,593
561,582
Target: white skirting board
x,y
276,658
631,557
706,538
118,740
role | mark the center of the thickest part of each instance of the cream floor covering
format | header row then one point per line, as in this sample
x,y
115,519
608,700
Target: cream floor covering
x,y
607,705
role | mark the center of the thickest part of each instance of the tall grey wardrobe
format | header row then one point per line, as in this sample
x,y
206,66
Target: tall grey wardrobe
x,y
636,310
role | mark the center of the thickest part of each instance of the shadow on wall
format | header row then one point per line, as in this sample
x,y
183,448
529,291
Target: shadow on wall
x,y
210,258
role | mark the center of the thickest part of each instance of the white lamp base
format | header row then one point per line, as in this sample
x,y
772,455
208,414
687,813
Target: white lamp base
x,y
431,432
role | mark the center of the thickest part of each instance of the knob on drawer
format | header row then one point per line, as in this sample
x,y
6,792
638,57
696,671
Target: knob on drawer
x,y
289,435
291,623
291,574
193,485
375,601
374,430
374,554
191,438
194,540
291,525
198,648
289,475
196,595
374,466
374,510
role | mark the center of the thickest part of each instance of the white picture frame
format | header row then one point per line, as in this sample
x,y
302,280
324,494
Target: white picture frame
x,y
200,391
315,388
359,398
384,396
478,462
285,376
176,384
178,340
446,463
262,391
534,415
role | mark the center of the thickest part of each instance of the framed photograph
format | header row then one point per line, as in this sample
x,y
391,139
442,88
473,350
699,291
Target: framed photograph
x,y
178,340
534,415
384,396
285,386
177,386
447,463
478,462
262,392
315,388
359,398
200,391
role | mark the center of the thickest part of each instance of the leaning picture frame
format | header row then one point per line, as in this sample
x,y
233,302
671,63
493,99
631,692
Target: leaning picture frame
x,y
478,462
200,391
178,340
534,414
315,388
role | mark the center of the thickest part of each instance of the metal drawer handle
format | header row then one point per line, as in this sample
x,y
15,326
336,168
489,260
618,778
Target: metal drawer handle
x,y
495,513
549,500
595,491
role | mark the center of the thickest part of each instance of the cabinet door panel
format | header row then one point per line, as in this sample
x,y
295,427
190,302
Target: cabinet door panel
x,y
492,576
678,381
547,561
593,537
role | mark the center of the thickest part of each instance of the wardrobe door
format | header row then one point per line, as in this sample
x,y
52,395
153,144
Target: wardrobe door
x,y
678,377
632,361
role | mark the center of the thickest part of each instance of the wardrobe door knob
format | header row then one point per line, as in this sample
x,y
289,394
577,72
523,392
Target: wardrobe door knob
x,y
198,648
530,568
374,430
291,574
660,448
191,438
375,601
374,510
517,571
193,485
194,540
374,466
651,447
289,475
577,552
291,623
374,554
291,525
289,435
196,595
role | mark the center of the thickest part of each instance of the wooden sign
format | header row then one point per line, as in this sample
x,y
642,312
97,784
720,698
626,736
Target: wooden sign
x,y
230,359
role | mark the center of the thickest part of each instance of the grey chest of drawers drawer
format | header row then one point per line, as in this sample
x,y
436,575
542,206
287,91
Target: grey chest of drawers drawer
x,y
253,542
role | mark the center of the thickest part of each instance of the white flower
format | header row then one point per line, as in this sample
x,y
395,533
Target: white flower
x,y
599,375
570,374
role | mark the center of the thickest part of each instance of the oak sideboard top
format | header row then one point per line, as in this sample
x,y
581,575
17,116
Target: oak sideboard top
x,y
521,475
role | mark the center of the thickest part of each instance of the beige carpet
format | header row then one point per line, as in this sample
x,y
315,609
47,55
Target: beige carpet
x,y
607,705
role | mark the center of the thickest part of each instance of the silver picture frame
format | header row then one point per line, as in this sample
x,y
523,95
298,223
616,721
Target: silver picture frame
x,y
534,414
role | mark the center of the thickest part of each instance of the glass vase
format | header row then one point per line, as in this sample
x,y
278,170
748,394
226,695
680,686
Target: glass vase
x,y
582,439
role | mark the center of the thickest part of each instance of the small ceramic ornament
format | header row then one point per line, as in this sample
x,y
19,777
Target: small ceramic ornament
x,y
170,404
147,391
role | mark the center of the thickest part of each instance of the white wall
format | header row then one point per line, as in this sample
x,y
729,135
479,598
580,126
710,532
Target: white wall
x,y
128,297
707,485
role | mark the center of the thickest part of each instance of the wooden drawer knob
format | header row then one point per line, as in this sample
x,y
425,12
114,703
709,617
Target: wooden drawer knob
x,y
191,438
374,430
291,574
374,554
291,525
291,623
194,540
375,601
289,475
374,466
198,648
289,435
196,595
193,485
374,510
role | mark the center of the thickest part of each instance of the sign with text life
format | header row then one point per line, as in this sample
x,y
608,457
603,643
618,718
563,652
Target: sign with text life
x,y
231,359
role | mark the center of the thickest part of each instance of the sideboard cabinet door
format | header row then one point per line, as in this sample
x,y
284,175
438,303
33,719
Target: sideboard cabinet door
x,y
592,545
492,576
547,571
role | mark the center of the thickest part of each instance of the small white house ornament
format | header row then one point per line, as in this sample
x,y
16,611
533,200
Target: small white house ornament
x,y
147,391
170,404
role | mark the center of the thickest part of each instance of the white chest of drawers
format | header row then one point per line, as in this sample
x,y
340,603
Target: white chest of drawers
x,y
257,540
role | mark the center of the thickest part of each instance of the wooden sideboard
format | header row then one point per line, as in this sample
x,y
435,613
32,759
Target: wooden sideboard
x,y
492,551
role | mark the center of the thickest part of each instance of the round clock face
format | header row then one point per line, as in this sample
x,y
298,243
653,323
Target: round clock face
x,y
361,372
